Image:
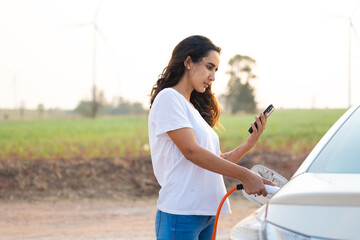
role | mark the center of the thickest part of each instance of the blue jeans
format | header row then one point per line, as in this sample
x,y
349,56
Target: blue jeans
x,y
183,227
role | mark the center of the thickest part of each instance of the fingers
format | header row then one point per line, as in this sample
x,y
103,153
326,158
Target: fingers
x,y
268,182
258,127
263,119
260,122
261,192
254,128
254,184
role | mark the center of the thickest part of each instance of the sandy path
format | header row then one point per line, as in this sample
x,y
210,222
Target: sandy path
x,y
96,219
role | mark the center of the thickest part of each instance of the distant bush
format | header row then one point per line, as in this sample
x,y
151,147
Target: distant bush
x,y
118,107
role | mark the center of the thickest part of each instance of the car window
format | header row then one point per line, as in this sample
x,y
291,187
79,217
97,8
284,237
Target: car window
x,y
342,153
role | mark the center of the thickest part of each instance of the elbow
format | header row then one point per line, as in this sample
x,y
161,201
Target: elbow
x,y
191,153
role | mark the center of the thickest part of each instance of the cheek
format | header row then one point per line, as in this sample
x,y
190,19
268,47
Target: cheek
x,y
201,76
198,75
201,72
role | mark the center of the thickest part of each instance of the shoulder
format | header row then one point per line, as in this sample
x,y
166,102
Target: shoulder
x,y
169,102
166,96
167,92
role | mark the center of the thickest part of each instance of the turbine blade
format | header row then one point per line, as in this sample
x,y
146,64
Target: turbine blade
x,y
97,10
104,39
355,9
7,69
338,16
85,24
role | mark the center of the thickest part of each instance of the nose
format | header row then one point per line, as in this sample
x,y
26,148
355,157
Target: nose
x,y
212,76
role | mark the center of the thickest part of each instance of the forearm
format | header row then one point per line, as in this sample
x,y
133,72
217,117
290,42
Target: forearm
x,y
185,140
237,154
210,161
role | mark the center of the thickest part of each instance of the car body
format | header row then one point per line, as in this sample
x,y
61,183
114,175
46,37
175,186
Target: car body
x,y
322,198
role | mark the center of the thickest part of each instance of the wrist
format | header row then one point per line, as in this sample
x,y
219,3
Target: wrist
x,y
244,174
248,146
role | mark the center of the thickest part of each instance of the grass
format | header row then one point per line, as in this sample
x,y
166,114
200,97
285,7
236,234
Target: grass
x,y
74,138
287,130
294,131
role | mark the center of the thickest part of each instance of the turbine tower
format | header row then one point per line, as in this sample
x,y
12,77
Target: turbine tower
x,y
96,32
351,29
15,77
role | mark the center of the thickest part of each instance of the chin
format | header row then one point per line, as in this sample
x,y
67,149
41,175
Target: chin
x,y
200,90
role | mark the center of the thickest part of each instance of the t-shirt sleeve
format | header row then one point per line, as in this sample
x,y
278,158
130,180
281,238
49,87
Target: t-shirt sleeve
x,y
171,113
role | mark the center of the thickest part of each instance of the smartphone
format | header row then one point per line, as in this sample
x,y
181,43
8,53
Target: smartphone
x,y
268,110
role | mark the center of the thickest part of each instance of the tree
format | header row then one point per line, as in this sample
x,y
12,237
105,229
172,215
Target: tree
x,y
119,106
123,107
137,108
240,94
40,109
22,109
98,101
84,107
92,108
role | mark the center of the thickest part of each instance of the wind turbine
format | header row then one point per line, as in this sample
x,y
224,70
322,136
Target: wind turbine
x,y
15,77
96,31
351,29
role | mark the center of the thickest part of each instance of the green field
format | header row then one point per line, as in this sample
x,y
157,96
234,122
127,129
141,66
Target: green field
x,y
294,131
287,131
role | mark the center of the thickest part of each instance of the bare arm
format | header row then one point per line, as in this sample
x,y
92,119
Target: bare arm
x,y
238,153
185,140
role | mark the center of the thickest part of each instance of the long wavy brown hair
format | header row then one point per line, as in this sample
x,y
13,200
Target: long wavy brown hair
x,y
197,47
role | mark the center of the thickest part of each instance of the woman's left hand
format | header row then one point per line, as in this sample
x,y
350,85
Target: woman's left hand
x,y
255,135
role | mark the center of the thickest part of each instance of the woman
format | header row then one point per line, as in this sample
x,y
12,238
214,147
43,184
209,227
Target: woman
x,y
185,150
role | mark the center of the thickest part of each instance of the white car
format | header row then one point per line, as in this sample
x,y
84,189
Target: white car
x,y
322,199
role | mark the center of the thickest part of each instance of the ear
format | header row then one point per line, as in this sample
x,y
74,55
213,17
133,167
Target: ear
x,y
187,62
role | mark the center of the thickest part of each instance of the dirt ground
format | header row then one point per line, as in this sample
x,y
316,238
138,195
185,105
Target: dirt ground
x,y
100,198
119,178
97,219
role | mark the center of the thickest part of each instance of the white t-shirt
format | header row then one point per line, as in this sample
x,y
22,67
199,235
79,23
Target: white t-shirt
x,y
186,189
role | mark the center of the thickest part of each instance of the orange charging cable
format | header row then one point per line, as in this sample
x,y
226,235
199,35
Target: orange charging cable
x,y
238,187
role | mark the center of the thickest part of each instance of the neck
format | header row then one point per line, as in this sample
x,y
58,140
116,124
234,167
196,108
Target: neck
x,y
184,88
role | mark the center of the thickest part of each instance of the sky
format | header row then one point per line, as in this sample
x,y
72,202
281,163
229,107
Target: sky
x,y
301,48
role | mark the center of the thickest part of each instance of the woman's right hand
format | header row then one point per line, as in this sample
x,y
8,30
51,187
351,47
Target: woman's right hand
x,y
254,184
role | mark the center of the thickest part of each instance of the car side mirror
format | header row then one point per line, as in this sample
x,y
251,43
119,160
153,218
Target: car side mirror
x,y
270,175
